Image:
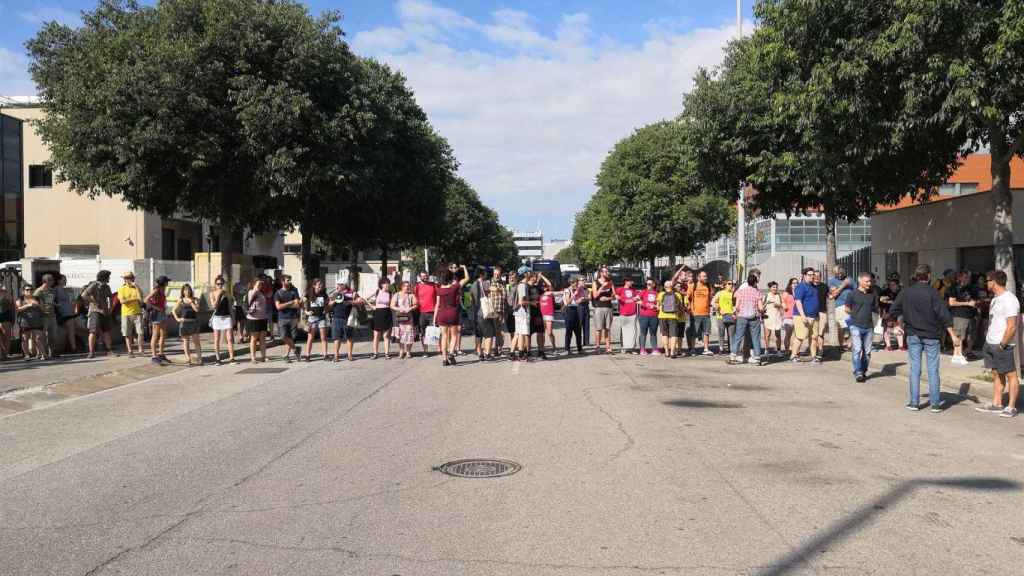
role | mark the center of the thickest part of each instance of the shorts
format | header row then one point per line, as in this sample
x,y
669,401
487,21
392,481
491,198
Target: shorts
x,y
998,360
787,321
253,326
669,328
131,326
289,327
699,326
98,323
157,316
239,315
962,326
822,323
316,323
841,316
536,323
188,328
340,329
220,323
804,328
603,318
548,317
426,319
487,327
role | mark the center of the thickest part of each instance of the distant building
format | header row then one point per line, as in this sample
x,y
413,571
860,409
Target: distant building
x,y
530,244
553,247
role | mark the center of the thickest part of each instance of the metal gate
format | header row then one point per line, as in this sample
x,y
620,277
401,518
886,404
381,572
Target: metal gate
x,y
856,262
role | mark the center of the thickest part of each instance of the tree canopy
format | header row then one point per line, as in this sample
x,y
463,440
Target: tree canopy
x,y
470,232
649,201
244,113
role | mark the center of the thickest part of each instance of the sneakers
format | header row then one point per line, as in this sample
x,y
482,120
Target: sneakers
x,y
913,407
707,352
734,359
795,359
936,408
657,352
1008,412
959,360
816,360
990,409
643,351
860,378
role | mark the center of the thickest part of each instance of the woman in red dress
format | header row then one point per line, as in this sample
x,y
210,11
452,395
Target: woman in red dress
x,y
446,313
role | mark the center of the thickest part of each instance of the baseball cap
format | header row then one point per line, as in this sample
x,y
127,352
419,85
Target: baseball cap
x,y
523,270
162,280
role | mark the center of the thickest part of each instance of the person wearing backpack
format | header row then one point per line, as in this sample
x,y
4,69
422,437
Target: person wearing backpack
x,y
670,302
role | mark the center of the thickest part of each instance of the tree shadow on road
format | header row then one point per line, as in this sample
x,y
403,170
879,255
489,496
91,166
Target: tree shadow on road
x,y
843,529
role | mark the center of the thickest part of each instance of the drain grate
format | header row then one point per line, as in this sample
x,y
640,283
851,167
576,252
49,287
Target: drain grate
x,y
262,371
480,468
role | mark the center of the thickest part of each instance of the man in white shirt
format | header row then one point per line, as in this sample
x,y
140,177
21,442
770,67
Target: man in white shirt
x,y
999,346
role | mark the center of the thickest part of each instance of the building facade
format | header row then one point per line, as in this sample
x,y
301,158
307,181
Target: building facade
x,y
952,230
530,245
44,218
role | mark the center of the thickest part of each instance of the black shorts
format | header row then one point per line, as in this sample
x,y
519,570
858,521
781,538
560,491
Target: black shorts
x,y
998,360
254,326
536,322
426,319
487,327
669,328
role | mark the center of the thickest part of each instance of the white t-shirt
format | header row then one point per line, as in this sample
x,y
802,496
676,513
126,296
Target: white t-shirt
x,y
1003,306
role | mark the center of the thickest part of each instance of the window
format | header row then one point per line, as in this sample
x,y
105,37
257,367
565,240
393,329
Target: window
x,y
185,249
167,244
958,188
40,176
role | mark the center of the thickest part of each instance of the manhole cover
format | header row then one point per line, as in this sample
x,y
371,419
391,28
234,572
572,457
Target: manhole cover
x,y
480,468
262,371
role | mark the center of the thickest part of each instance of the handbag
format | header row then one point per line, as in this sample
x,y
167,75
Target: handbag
x,y
878,327
486,308
353,318
432,337
728,319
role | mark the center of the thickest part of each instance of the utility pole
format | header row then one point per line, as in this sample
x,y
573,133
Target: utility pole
x,y
741,209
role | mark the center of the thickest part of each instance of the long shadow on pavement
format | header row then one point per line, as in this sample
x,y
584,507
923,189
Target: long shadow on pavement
x,y
852,523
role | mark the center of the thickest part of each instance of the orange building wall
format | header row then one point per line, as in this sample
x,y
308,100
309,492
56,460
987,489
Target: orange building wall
x,y
975,168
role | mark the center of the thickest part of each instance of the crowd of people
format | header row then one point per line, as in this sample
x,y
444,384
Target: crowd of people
x,y
513,316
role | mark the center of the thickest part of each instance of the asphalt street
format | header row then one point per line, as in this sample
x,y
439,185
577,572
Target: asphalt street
x,y
629,466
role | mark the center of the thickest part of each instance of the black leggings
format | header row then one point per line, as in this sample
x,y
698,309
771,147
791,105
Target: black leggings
x,y
573,327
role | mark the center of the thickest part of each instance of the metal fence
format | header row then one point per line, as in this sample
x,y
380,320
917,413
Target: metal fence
x,y
855,262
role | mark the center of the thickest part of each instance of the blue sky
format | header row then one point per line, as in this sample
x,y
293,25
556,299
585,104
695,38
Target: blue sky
x,y
532,94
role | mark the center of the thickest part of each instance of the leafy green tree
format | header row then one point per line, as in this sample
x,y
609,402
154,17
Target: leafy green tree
x,y
469,233
244,113
649,202
840,106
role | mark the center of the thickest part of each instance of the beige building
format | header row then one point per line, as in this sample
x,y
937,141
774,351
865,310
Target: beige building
x,y
953,230
59,223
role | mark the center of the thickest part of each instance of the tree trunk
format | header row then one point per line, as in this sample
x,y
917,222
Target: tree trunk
x,y
830,246
384,260
652,269
1002,204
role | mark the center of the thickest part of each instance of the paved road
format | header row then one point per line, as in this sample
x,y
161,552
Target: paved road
x,y
630,466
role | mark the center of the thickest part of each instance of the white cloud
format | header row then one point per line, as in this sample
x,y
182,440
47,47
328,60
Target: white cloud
x,y
41,13
14,77
531,115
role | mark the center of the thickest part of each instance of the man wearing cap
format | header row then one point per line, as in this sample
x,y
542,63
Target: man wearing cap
x,y
97,295
131,313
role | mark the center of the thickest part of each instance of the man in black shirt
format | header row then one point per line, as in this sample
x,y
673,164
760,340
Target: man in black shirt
x,y
822,288
861,305
963,300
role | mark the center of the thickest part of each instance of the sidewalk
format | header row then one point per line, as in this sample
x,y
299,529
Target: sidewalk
x,y
972,382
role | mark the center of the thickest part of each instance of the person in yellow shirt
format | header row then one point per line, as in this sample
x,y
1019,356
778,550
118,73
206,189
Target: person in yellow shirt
x,y
130,298
724,308
670,306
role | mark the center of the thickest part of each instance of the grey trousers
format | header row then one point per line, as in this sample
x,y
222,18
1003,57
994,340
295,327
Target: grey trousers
x,y
629,332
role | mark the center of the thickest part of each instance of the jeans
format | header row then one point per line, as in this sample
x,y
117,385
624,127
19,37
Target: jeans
x,y
584,312
573,327
648,326
861,338
745,326
931,348
725,332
